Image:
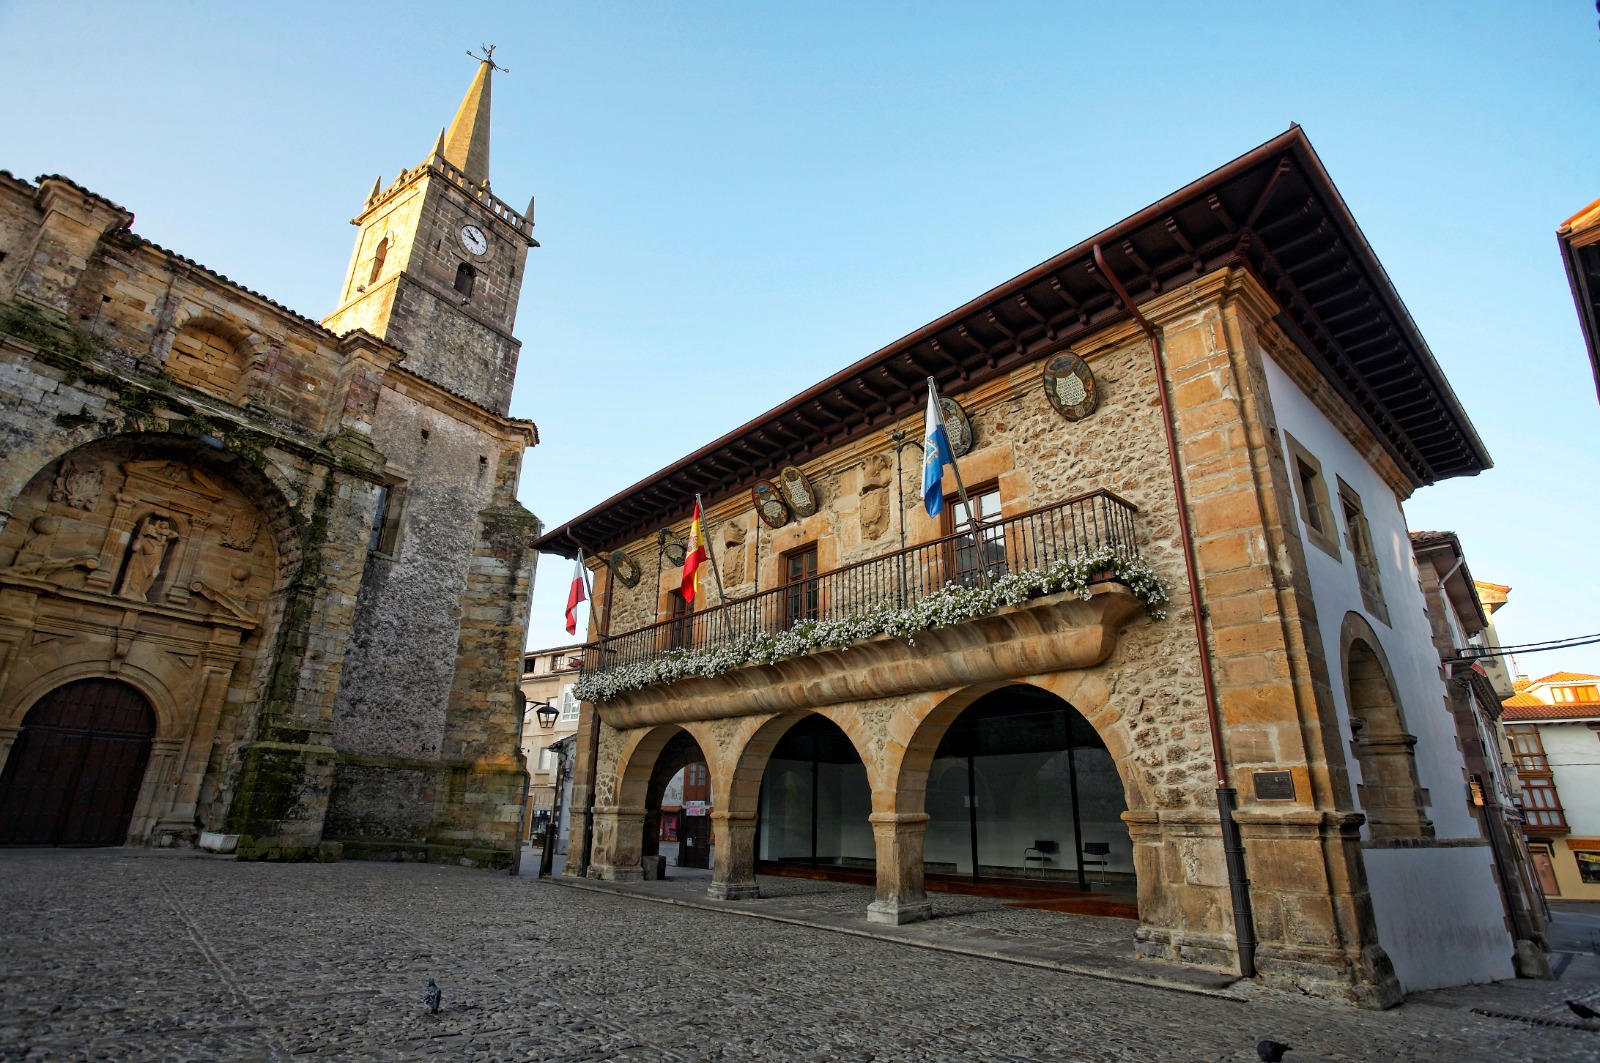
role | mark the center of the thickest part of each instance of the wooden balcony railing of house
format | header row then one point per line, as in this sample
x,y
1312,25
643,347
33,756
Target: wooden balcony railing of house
x,y
1033,540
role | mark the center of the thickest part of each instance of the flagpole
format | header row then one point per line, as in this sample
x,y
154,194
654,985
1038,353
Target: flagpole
x,y
961,491
588,586
716,572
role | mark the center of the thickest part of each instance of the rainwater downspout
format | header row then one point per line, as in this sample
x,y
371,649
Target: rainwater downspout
x,y
1244,924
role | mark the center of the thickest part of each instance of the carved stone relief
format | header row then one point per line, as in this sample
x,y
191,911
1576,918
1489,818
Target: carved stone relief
x,y
241,532
77,487
733,560
145,555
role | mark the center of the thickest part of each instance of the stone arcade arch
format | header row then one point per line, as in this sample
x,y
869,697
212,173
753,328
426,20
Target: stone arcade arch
x,y
627,828
158,562
902,817
744,772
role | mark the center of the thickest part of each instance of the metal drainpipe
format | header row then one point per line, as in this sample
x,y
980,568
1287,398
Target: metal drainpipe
x,y
1244,923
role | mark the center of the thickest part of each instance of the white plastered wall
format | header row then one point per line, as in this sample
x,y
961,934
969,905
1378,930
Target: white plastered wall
x,y
1440,915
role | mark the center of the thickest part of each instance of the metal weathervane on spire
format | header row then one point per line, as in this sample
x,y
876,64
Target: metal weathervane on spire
x,y
487,57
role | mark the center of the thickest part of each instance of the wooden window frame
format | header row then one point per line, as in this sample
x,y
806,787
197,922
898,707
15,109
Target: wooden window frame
x,y
997,567
796,591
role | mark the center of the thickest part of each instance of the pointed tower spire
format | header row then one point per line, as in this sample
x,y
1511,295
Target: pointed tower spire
x,y
466,145
377,186
438,148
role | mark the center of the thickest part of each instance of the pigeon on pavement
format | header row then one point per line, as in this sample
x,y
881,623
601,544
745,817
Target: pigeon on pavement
x,y
1271,1051
432,997
1583,1011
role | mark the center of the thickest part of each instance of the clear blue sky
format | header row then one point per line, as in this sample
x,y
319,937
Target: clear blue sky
x,y
737,199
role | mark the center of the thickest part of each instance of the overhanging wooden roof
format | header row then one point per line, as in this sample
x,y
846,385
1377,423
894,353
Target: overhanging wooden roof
x,y
1273,210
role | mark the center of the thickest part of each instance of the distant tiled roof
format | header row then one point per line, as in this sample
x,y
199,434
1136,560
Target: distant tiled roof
x,y
1522,682
1567,677
1420,537
1523,707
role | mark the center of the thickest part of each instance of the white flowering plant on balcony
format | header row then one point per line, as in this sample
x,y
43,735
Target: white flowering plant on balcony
x,y
951,604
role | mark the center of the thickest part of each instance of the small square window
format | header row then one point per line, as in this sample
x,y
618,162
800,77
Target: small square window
x,y
385,535
1311,496
569,706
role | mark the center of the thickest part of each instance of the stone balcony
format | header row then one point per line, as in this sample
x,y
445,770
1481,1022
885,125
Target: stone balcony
x,y
1042,631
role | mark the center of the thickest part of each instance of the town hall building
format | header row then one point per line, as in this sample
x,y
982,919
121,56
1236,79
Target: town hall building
x,y
1165,641
265,579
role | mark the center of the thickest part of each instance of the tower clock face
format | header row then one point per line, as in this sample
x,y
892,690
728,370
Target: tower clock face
x,y
473,240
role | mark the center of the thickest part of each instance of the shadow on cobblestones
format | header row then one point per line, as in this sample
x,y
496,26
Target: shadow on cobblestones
x,y
117,954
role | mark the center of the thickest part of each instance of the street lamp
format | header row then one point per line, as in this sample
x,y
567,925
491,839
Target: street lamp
x,y
547,714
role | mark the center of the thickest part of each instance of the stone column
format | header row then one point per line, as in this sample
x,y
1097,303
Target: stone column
x,y
577,865
618,831
734,876
900,897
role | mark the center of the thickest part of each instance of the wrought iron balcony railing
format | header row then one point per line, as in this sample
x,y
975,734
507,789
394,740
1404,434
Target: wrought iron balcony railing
x,y
1036,539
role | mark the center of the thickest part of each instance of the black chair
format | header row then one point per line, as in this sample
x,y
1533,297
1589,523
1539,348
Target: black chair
x,y
1042,849
1096,854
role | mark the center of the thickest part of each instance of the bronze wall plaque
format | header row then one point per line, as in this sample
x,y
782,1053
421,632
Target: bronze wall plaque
x,y
1274,786
769,503
627,572
798,492
1071,387
957,426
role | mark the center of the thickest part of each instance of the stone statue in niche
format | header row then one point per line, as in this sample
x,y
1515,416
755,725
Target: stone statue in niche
x,y
240,534
148,550
733,555
78,488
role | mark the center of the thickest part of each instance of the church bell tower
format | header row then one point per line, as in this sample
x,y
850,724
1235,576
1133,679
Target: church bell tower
x,y
438,264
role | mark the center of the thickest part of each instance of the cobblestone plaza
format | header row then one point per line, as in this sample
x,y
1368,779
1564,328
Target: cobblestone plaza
x,y
135,955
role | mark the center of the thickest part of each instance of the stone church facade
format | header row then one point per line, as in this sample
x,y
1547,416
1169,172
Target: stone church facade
x,y
259,575
1222,393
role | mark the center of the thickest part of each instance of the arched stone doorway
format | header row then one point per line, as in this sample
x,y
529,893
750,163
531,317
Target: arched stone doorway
x,y
160,561
76,770
1022,788
680,766
1389,792
816,801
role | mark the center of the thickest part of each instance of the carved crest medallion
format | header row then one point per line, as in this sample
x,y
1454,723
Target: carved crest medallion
x,y
78,488
241,532
798,492
957,426
626,571
769,503
1070,386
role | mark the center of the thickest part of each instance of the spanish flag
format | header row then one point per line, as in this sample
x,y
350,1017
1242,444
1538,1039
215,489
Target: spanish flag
x,y
693,559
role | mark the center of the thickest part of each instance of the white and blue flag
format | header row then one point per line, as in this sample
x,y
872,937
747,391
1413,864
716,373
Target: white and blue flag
x,y
935,452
